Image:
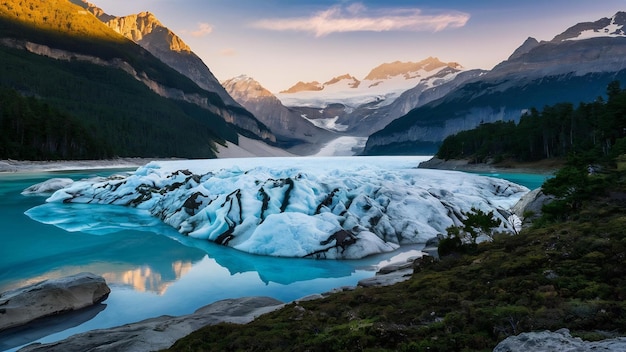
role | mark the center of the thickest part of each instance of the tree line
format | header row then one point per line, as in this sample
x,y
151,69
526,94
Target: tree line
x,y
33,130
593,129
106,107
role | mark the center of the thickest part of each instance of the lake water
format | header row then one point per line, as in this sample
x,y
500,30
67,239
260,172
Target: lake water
x,y
152,270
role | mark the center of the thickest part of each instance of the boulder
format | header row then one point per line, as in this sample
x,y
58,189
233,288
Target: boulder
x,y
560,340
529,206
51,297
160,333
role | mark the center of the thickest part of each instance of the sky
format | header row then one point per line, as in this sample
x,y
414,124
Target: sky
x,y
281,42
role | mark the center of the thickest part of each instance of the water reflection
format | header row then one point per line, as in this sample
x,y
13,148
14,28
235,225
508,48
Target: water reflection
x,y
145,278
21,335
111,219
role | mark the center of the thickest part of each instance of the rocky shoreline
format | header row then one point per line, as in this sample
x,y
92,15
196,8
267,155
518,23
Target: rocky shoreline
x,y
162,332
542,167
159,332
15,166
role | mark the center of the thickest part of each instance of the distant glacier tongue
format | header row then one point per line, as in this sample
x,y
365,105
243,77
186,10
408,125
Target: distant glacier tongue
x,y
334,208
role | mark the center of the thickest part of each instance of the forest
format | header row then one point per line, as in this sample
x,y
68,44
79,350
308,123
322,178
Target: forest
x,y
590,130
109,107
75,109
33,130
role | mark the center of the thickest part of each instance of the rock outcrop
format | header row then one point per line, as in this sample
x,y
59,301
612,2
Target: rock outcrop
x,y
560,340
161,332
51,297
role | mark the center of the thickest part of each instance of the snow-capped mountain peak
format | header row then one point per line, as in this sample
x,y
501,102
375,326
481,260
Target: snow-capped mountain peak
x,y
408,70
304,86
381,86
243,86
605,27
345,80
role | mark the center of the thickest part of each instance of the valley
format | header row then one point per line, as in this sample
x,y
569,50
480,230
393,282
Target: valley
x,y
122,153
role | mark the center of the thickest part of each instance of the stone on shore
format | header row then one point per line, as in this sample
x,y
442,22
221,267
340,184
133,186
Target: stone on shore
x,y
529,207
558,341
51,297
162,332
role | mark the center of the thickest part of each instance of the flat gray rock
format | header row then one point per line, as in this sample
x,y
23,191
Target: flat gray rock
x,y
51,297
558,341
159,333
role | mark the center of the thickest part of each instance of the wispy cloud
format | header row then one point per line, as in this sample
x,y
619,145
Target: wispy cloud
x,y
201,30
356,17
228,52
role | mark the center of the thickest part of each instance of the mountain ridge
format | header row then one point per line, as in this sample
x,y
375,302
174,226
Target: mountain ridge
x,y
70,44
535,75
147,31
385,71
293,132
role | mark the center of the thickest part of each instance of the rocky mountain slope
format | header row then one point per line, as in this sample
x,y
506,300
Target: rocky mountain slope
x,y
147,31
575,66
63,55
291,129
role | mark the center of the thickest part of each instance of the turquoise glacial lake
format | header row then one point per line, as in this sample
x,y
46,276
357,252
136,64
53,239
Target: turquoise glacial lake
x,y
152,270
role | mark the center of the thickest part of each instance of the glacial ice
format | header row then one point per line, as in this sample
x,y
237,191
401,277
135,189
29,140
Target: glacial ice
x,y
335,208
48,186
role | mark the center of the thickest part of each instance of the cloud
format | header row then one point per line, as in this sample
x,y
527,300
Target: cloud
x,y
356,17
228,52
201,30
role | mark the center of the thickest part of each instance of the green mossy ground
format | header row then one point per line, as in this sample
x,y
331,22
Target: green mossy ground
x,y
569,272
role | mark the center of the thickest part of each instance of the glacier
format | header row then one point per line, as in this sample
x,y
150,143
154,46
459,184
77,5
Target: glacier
x,y
314,207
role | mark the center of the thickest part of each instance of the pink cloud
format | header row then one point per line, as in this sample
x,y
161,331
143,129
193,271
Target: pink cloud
x,y
356,17
201,30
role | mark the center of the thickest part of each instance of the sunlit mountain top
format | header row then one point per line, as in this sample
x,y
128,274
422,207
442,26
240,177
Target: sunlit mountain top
x,y
56,15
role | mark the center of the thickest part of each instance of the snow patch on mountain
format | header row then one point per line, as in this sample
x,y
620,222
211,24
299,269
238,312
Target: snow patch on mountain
x,y
602,28
612,30
328,124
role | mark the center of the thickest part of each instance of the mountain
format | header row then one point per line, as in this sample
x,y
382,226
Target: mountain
x,y
304,87
62,55
369,118
147,31
350,105
576,66
290,128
